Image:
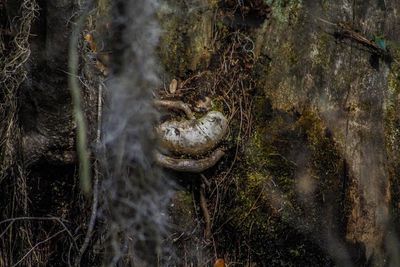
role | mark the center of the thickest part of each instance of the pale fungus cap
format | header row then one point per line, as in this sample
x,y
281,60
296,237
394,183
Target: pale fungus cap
x,y
193,137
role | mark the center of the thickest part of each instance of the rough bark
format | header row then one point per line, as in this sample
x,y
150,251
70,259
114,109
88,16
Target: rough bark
x,y
45,113
315,181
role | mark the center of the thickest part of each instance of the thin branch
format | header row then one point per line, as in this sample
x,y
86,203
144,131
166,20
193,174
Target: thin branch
x,y
12,220
179,105
5,230
206,213
38,244
95,203
81,124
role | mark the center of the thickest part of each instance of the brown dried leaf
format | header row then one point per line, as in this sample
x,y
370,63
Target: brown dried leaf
x,y
173,86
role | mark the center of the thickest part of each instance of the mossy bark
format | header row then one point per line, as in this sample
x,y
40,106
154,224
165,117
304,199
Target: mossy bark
x,y
322,160
316,180
339,80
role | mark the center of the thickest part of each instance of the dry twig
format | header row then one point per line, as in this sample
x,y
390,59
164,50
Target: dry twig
x,y
206,213
35,246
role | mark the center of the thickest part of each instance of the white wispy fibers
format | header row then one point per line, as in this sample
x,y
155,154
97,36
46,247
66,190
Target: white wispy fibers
x,y
135,193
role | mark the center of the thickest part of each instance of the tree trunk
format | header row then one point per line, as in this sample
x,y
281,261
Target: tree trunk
x,y
310,170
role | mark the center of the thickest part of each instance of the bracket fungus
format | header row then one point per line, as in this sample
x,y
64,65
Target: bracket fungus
x,y
189,165
191,137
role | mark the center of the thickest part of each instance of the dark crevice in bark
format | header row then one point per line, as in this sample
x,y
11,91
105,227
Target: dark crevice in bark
x,y
45,113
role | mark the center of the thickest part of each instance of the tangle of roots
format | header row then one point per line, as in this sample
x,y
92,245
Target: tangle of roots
x,y
13,187
12,75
